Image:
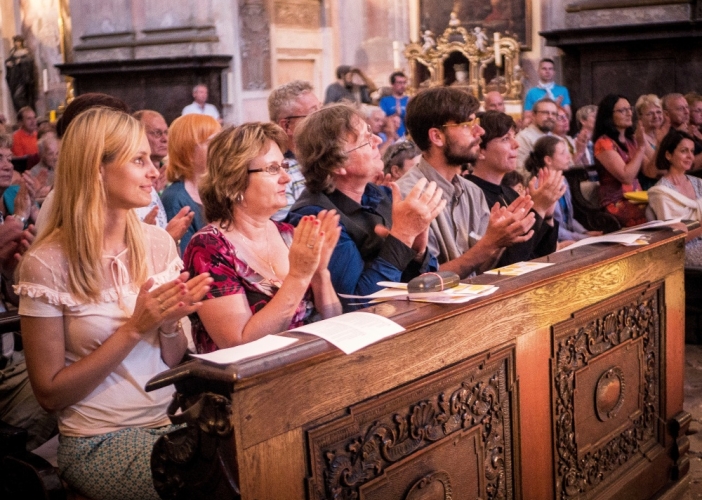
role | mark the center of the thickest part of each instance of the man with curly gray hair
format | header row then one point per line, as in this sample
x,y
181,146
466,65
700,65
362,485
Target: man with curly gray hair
x,y
287,106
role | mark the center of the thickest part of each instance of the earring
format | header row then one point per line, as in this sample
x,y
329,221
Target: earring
x,y
239,198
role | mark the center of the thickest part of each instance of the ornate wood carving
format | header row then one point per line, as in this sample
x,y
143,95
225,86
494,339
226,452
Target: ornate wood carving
x,y
255,40
609,397
626,329
300,14
193,462
434,485
426,420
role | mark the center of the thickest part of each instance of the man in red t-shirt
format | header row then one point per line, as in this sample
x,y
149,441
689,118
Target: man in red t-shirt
x,y
24,141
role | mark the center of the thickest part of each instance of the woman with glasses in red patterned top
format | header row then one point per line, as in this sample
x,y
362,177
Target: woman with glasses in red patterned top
x,y
268,276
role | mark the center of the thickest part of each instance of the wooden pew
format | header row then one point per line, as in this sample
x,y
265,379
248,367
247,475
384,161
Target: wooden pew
x,y
589,214
565,384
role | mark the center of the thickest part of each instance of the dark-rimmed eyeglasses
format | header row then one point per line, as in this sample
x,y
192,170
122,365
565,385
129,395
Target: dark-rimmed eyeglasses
x,y
273,168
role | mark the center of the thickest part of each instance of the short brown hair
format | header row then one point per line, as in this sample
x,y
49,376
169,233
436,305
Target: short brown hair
x,y
228,158
496,124
545,100
692,98
87,101
320,144
22,111
435,107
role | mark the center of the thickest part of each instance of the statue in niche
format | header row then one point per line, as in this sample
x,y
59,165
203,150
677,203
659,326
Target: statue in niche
x,y
461,78
480,38
429,41
19,73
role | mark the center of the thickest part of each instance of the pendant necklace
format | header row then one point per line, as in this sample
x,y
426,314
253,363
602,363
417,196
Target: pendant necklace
x,y
276,280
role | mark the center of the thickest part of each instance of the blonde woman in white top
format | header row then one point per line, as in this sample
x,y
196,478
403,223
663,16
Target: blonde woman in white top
x,y
101,298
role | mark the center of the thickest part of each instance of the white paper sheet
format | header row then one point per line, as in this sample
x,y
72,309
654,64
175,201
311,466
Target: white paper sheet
x,y
652,224
352,331
269,343
622,238
463,292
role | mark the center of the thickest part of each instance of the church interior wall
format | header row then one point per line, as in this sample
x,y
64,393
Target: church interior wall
x,y
271,42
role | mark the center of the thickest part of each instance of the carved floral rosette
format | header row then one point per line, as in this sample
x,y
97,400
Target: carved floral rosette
x,y
633,318
349,452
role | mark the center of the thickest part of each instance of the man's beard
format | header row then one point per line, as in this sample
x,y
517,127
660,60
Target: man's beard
x,y
457,157
547,127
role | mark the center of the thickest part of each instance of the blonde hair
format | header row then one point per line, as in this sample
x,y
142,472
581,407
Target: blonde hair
x,y
97,138
645,101
228,159
184,135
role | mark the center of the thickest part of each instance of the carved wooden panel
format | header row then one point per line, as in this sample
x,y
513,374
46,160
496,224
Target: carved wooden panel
x,y
448,436
606,376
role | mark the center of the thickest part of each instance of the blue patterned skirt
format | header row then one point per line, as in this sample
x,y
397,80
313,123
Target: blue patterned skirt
x,y
112,466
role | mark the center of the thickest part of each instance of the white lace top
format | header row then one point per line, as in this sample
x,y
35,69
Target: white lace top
x,y
120,400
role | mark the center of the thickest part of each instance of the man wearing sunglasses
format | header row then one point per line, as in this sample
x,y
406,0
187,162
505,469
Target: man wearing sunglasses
x,y
288,105
467,236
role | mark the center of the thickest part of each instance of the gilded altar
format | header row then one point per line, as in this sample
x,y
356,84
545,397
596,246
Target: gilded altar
x,y
469,59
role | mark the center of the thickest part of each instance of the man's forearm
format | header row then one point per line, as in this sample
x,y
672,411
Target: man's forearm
x,y
478,258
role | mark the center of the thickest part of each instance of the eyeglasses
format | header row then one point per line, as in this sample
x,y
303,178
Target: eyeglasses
x,y
367,143
273,168
470,124
293,117
158,133
624,111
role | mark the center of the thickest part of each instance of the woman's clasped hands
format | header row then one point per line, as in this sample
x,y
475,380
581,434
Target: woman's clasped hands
x,y
162,307
313,243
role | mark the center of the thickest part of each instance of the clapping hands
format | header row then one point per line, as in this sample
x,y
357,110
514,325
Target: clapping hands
x,y
412,215
313,243
168,303
545,190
